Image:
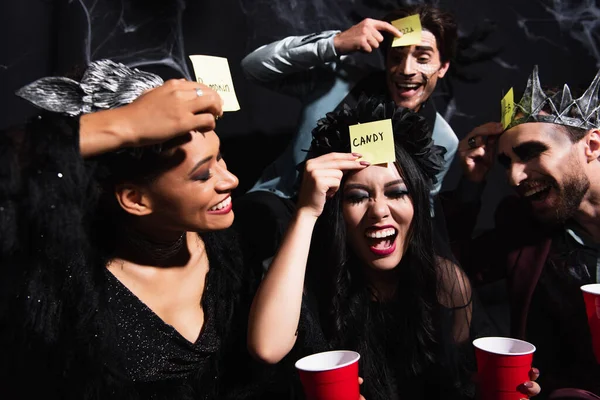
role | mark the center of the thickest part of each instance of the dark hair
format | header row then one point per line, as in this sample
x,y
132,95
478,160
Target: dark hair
x,y
335,274
411,132
229,281
574,134
141,166
440,23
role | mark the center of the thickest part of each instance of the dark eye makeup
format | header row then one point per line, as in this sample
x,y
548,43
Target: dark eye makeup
x,y
504,160
529,150
355,196
525,152
203,176
396,193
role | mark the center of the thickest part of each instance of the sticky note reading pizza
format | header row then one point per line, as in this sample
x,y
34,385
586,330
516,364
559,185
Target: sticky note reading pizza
x,y
214,72
507,105
374,141
411,31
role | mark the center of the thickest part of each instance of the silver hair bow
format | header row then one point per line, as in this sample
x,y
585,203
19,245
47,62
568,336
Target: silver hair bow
x,y
105,84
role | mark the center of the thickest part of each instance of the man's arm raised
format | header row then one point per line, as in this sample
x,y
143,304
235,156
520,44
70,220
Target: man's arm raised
x,y
288,65
364,36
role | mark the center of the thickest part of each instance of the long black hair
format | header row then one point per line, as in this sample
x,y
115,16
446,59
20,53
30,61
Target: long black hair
x,y
399,339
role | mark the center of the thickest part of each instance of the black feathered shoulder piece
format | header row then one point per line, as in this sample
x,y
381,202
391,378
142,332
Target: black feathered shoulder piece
x,y
411,132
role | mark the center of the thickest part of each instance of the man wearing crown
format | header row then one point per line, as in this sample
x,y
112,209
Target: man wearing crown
x,y
546,241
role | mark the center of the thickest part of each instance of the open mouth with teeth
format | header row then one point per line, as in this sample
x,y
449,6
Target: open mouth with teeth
x,y
222,207
536,193
382,242
407,89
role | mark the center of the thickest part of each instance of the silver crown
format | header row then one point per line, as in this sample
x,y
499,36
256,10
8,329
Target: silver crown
x,y
559,108
105,84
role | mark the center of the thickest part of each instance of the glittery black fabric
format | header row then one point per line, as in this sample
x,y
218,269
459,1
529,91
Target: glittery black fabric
x,y
153,349
69,331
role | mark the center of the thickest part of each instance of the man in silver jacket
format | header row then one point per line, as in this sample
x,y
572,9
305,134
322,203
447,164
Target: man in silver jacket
x,y
325,70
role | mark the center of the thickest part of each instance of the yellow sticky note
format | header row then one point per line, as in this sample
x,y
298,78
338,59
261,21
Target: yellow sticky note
x,y
411,28
507,105
374,141
214,72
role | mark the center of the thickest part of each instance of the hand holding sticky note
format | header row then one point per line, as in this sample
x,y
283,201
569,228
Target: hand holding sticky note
x,y
411,31
507,105
214,72
374,141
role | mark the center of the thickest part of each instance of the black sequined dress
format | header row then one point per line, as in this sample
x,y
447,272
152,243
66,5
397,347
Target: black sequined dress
x,y
155,351
68,328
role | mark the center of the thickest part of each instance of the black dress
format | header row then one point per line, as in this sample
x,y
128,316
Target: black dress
x,y
447,378
155,350
71,330
155,354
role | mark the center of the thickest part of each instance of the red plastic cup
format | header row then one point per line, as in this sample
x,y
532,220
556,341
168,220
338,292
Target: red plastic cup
x,y
332,375
502,365
591,296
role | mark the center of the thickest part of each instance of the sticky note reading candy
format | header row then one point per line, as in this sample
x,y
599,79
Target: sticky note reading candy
x,y
214,72
411,31
507,105
374,141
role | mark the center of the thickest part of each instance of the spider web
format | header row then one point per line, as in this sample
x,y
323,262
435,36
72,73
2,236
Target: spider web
x,y
135,32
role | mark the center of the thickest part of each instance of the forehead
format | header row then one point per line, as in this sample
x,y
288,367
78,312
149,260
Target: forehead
x,y
428,40
378,174
549,134
192,147
204,142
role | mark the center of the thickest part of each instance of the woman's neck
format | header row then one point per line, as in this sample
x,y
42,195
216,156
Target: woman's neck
x,y
157,248
383,283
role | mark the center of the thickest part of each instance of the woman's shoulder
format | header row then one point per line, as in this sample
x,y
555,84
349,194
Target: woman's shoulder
x,y
454,287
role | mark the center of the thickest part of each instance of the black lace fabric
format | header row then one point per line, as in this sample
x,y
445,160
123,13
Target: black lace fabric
x,y
449,377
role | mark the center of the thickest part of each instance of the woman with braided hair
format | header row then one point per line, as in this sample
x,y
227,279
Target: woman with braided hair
x,y
120,275
357,269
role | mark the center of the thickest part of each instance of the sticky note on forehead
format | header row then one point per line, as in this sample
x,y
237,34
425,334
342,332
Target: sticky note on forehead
x,y
507,105
411,31
214,72
374,141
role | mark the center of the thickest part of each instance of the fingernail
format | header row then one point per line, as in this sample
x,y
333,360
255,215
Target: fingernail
x,y
535,371
365,163
528,385
357,155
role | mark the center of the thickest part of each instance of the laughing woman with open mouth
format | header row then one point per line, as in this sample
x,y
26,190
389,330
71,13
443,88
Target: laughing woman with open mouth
x,y
358,271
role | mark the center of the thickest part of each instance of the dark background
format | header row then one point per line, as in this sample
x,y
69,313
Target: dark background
x,y
44,37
